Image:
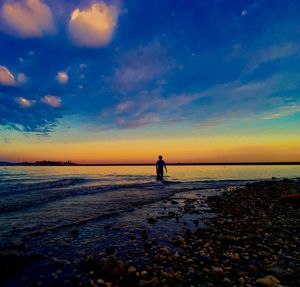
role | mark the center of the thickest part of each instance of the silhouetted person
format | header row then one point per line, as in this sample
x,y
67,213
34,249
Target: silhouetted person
x,y
160,165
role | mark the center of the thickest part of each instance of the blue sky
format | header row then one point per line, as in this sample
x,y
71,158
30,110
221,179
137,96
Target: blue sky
x,y
153,68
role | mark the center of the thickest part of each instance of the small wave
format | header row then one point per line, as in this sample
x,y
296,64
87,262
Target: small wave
x,y
118,209
35,198
59,190
9,189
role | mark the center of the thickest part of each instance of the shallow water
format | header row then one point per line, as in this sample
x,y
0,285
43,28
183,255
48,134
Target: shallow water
x,y
35,200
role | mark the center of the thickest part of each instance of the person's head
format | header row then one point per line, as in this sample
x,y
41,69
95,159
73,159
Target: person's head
x,y
160,157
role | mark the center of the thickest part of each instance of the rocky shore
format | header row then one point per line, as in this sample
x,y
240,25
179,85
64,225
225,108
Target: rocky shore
x,y
251,239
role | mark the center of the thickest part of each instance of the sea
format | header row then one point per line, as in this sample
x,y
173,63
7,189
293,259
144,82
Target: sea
x,y
67,212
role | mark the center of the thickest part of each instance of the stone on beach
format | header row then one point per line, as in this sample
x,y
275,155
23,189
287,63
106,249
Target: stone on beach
x,y
268,281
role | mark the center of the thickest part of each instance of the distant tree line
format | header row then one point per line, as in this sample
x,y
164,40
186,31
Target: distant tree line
x,y
41,163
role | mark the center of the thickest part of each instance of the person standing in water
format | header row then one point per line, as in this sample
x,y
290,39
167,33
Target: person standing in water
x,y
160,165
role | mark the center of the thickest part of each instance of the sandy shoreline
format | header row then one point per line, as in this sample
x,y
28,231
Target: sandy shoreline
x,y
252,241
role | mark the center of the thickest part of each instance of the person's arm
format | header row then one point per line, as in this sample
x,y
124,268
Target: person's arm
x,y
165,167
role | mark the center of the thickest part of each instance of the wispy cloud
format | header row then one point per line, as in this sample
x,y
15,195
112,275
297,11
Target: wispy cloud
x,y
93,26
141,66
26,19
273,53
234,100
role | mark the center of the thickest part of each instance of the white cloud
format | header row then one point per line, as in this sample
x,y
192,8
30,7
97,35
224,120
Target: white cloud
x,y
27,19
62,77
93,26
6,77
52,101
24,102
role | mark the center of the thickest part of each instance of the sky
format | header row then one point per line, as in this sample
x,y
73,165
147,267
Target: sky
x,y
123,81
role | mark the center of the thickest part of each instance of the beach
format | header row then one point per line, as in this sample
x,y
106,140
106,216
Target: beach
x,y
236,235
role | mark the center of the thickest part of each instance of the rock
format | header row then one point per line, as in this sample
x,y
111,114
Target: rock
x,y
174,201
268,281
277,271
131,269
151,220
154,281
147,245
164,251
74,231
113,267
196,221
11,264
110,250
188,233
171,214
144,233
57,262
218,271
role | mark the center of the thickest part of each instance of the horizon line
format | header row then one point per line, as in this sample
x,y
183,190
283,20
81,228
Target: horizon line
x,y
69,163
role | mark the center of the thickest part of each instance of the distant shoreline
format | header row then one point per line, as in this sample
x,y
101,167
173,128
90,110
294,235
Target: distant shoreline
x,y
143,164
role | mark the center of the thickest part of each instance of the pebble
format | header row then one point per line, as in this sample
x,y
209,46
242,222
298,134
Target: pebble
x,y
268,281
131,269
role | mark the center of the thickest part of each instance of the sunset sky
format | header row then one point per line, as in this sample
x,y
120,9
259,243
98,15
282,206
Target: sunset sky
x,y
125,81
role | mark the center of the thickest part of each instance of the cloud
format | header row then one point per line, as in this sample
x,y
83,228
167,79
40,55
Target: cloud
x,y
283,111
25,103
93,26
273,53
21,78
147,108
62,77
27,114
145,120
252,100
27,19
6,77
141,66
52,101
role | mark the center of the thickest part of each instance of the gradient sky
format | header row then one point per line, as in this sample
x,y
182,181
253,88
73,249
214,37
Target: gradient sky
x,y
124,81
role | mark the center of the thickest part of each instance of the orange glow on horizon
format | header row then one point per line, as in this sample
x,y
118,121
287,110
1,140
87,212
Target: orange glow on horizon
x,y
217,149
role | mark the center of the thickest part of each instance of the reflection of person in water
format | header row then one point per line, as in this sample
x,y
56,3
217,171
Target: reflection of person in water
x,y
160,165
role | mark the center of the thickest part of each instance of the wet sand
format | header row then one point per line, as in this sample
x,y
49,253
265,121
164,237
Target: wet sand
x,y
250,237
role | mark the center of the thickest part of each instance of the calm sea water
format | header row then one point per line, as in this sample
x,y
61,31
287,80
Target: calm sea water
x,y
44,200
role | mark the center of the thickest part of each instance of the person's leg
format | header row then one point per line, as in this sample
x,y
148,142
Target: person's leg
x,y
160,173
